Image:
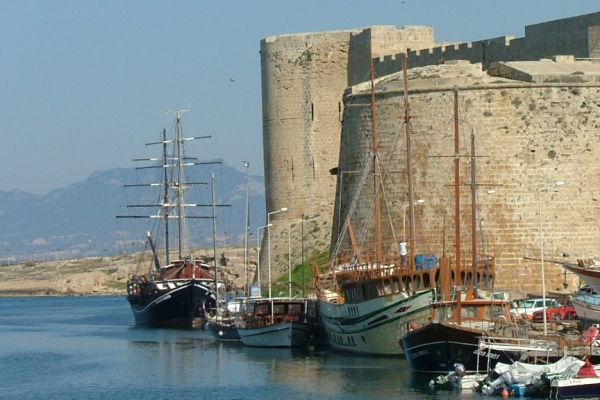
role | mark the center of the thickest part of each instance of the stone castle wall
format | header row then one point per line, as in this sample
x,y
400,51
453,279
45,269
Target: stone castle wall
x,y
303,79
528,136
577,36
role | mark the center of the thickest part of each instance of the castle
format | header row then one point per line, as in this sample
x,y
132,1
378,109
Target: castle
x,y
532,102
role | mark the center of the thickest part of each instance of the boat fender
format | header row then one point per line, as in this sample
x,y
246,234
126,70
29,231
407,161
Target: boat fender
x,y
589,335
482,345
459,369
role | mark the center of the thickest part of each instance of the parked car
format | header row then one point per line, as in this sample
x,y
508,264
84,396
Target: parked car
x,y
526,308
556,314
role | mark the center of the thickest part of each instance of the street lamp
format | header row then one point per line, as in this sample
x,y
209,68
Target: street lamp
x,y
258,256
247,225
559,183
404,207
281,210
290,260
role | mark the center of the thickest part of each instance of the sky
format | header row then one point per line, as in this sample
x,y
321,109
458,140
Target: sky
x,y
85,84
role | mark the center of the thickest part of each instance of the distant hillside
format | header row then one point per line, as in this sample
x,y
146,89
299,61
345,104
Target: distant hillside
x,y
79,220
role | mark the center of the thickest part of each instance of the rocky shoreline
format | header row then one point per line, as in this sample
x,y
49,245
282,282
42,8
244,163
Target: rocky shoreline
x,y
96,276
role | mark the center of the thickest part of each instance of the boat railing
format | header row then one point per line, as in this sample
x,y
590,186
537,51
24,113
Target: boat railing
x,y
588,298
485,265
538,348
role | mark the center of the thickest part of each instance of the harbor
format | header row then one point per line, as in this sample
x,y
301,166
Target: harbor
x,y
74,347
407,216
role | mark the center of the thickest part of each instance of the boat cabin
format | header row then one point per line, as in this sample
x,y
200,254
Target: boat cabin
x,y
272,311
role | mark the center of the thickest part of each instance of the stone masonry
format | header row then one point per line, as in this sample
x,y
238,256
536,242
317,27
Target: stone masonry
x,y
531,129
303,79
528,136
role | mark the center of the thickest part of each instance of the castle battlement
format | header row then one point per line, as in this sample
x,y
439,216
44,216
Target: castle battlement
x,y
578,36
304,78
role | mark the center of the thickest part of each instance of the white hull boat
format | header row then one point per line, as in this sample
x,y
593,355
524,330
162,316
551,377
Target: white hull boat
x,y
587,306
277,322
587,270
285,334
374,326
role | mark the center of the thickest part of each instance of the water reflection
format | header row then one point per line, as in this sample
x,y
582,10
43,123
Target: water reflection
x,y
99,353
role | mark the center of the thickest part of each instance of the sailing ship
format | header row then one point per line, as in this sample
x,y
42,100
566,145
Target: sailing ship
x,y
454,333
458,320
176,292
367,296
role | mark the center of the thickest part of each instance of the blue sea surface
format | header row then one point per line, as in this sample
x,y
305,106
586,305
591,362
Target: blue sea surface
x,y
89,348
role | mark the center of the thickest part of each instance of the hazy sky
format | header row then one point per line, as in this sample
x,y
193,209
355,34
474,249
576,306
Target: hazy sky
x,y
84,84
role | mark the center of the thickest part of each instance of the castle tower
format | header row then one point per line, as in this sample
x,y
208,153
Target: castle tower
x,y
303,80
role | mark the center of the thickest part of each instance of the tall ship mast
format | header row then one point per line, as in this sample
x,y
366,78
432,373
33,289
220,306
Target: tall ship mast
x,y
176,292
369,292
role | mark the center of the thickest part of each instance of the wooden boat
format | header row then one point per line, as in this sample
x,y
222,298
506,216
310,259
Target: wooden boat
x,y
222,324
587,306
454,336
175,293
367,294
277,322
587,270
459,319
587,299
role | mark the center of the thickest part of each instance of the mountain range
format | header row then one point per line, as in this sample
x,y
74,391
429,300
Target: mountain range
x,y
80,220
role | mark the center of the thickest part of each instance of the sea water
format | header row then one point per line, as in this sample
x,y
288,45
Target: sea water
x,y
89,348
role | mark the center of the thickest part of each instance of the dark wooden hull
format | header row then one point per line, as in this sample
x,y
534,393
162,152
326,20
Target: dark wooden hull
x,y
436,347
224,330
182,304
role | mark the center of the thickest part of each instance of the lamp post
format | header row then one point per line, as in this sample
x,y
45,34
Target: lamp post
x,y
247,225
281,210
258,256
540,189
404,207
290,260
